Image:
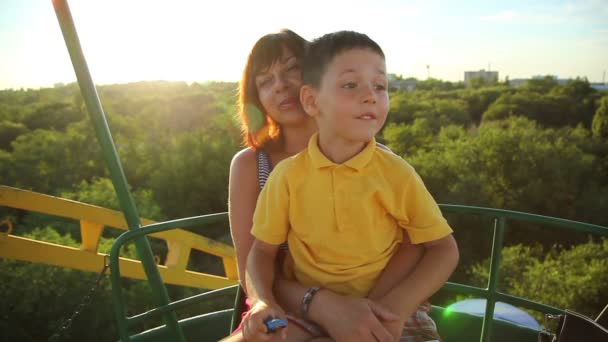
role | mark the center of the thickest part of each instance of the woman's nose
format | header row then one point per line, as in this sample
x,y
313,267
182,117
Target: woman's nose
x,y
281,83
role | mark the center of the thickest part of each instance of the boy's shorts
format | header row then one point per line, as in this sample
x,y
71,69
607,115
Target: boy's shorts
x,y
420,327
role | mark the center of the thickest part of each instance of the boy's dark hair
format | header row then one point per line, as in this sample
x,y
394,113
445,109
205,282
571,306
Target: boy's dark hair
x,y
322,51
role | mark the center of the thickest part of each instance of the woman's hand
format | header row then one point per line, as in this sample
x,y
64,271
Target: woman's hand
x,y
353,319
394,305
254,327
394,328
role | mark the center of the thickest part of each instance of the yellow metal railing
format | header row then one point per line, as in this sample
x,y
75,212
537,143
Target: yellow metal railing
x,y
93,220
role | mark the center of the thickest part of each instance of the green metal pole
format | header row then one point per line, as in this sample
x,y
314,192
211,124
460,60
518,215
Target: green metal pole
x,y
495,261
89,93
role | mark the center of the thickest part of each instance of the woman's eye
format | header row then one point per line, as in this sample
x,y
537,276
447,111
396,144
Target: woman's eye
x,y
349,85
294,67
263,82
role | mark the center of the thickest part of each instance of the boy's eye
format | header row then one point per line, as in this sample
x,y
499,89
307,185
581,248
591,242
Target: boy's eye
x,y
349,85
380,87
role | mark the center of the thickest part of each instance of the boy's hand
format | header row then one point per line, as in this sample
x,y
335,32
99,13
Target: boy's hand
x,y
254,327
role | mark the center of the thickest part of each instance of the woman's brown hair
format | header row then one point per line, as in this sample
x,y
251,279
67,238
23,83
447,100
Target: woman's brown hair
x,y
257,127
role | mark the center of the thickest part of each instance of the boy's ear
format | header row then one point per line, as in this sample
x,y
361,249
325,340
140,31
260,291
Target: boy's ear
x,y
308,99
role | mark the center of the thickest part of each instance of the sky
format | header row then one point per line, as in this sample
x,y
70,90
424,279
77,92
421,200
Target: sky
x,y
205,40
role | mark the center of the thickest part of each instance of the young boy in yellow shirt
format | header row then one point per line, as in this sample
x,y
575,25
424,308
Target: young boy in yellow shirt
x,y
342,202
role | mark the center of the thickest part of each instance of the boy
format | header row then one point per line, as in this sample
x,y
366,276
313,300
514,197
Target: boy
x,y
342,202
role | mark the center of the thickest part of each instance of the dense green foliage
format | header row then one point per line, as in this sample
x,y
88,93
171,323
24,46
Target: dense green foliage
x,y
573,278
539,148
600,120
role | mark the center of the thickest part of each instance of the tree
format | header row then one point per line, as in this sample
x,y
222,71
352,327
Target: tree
x,y
549,110
53,116
533,151
478,100
100,191
581,99
38,298
405,140
438,110
515,165
10,130
480,82
599,127
48,161
573,278
435,84
540,85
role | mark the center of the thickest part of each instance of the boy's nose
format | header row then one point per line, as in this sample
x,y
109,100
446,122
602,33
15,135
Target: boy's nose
x,y
369,96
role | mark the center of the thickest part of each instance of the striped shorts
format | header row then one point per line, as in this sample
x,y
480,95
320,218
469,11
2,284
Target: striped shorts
x,y
420,327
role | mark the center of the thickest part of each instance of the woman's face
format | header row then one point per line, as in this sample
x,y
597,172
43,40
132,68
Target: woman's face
x,y
279,90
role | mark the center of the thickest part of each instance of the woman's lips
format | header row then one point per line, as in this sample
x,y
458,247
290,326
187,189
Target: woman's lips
x,y
289,102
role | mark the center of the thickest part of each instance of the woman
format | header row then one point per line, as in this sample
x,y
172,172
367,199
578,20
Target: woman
x,y
274,127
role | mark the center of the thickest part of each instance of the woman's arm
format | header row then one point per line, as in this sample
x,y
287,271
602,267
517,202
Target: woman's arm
x,y
243,191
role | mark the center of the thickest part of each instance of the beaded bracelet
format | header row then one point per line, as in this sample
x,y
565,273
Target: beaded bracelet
x,y
307,299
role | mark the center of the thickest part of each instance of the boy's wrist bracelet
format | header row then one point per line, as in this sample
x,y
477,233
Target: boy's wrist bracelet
x,y
307,299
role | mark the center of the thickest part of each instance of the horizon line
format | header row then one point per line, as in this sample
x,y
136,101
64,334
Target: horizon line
x,y
190,82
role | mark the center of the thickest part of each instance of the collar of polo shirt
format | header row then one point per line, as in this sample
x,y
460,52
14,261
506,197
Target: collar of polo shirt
x,y
358,162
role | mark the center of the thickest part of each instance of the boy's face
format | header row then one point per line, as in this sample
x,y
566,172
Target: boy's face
x,y
352,100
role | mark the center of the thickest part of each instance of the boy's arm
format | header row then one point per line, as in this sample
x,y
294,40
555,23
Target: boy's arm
x,y
399,266
417,212
260,274
437,264
270,227
260,271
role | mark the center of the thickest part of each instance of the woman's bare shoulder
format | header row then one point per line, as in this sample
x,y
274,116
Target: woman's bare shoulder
x,y
243,174
245,159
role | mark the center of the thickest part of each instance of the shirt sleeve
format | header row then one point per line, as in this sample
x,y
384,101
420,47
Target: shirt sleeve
x,y
419,214
271,216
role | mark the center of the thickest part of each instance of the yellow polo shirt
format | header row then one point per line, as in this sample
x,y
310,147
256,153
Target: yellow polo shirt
x,y
342,221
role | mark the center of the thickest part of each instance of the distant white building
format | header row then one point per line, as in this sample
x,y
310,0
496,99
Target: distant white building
x,y
599,86
487,76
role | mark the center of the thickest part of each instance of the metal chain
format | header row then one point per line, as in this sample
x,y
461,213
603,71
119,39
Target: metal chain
x,y
86,300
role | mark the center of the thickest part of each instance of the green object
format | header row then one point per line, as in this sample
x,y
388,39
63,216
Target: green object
x,y
102,131
452,326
